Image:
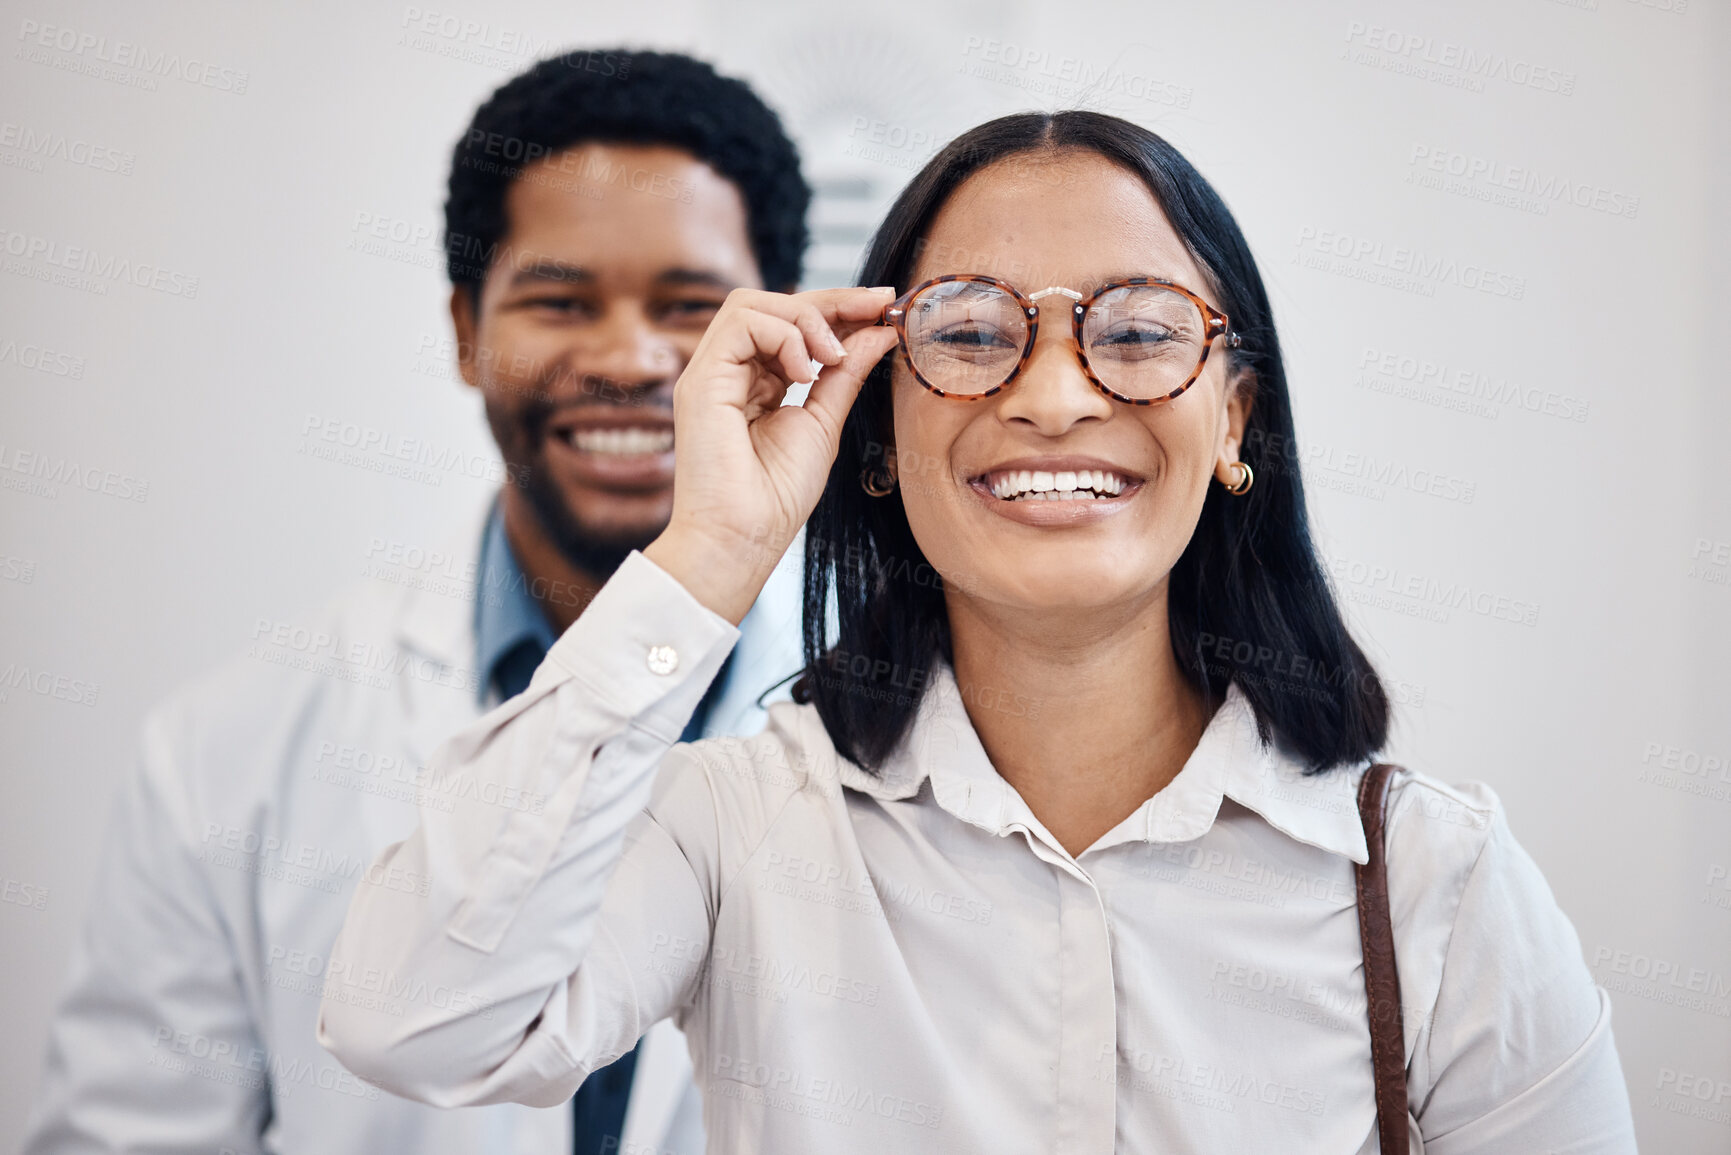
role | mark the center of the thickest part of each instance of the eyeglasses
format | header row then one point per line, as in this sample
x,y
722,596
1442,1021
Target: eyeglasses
x,y
1140,341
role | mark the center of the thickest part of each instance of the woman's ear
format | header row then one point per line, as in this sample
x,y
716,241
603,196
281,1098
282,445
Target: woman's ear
x,y
880,454
1240,396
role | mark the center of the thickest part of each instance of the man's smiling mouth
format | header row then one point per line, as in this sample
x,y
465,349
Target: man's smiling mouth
x,y
625,441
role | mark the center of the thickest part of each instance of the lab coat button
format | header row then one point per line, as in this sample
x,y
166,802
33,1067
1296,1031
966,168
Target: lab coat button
x,y
663,660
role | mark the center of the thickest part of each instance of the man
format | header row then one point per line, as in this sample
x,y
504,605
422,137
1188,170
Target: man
x,y
600,208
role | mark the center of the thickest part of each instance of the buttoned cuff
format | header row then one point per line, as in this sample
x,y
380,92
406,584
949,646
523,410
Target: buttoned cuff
x,y
642,640
613,693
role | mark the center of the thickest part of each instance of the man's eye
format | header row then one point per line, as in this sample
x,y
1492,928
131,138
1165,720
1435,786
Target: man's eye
x,y
563,306
701,309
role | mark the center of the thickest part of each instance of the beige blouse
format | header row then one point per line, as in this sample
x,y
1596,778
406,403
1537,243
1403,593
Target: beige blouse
x,y
912,963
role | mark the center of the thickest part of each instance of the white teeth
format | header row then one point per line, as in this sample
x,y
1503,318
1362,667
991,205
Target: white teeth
x,y
1038,485
626,442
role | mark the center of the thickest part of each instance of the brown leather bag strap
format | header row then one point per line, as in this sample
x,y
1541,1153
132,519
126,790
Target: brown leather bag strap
x,y
1381,981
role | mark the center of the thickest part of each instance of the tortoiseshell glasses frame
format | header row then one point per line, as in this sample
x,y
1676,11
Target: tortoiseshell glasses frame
x,y
1215,324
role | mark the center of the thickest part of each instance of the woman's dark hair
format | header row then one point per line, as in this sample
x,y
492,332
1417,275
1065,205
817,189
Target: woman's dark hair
x,y
1248,601
616,96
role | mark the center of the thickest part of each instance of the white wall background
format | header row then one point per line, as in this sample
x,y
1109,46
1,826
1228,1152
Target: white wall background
x,y
1617,528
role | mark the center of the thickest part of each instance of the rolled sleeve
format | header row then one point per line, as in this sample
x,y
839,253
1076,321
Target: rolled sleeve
x,y
1585,1098
511,880
1519,1054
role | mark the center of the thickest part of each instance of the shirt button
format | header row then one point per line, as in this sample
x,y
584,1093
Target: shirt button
x,y
663,660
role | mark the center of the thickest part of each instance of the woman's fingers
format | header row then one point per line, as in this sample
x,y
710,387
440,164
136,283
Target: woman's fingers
x,y
820,338
746,462
822,315
852,306
785,348
780,339
847,311
833,393
743,352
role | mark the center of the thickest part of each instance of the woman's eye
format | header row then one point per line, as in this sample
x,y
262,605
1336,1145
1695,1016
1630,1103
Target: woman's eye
x,y
963,338
1138,336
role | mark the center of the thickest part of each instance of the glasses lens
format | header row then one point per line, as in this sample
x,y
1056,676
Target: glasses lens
x,y
965,337
1143,341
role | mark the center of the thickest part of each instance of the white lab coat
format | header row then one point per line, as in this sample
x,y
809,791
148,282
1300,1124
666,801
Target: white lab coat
x,y
262,794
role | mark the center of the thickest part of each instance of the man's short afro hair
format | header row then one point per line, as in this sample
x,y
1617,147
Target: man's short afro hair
x,y
616,96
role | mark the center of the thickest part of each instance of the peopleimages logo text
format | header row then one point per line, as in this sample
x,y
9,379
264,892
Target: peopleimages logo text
x,y
1339,252
125,54
43,144
93,263
1464,61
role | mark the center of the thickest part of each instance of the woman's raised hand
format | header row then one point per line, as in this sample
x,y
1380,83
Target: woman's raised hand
x,y
747,469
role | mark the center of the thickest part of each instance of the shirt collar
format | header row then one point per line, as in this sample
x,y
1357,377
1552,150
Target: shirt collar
x,y
506,613
1230,762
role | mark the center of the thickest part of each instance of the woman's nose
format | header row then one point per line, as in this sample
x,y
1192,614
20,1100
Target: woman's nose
x,y
1053,392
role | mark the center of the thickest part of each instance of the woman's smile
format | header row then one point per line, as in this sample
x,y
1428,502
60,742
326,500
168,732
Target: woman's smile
x,y
1056,490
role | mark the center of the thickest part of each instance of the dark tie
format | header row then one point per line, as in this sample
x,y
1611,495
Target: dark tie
x,y
598,1108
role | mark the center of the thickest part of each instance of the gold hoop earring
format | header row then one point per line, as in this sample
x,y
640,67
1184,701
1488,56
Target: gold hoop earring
x,y
877,482
1242,486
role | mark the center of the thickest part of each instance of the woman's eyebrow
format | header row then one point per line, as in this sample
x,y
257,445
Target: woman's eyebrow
x,y
1094,286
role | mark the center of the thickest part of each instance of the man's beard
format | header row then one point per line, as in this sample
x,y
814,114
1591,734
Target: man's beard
x,y
522,437
591,553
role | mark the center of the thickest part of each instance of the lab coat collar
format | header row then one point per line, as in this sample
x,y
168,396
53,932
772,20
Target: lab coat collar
x,y
441,625
1230,762
436,627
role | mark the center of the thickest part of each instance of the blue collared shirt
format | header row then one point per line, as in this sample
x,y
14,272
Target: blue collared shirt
x,y
512,633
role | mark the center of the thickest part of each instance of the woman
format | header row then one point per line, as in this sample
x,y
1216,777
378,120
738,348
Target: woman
x,y
1057,852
